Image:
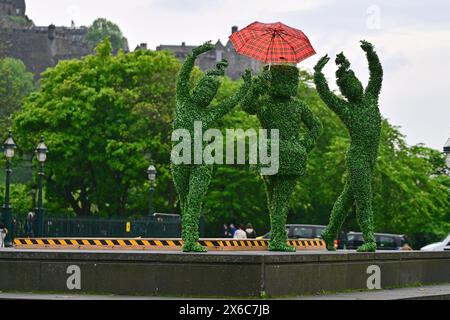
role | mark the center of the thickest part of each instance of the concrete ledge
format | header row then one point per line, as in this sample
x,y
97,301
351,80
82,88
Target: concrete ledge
x,y
216,274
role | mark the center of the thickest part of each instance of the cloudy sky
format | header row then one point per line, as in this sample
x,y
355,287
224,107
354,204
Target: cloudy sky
x,y
412,38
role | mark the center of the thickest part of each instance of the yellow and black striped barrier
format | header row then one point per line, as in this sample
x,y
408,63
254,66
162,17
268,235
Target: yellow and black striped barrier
x,y
157,244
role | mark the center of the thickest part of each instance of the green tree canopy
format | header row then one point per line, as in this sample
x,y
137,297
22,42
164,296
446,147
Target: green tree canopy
x,y
15,84
101,29
104,119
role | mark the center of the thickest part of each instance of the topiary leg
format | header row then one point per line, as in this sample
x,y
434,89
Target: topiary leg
x,y
181,174
361,179
282,189
364,216
338,215
198,185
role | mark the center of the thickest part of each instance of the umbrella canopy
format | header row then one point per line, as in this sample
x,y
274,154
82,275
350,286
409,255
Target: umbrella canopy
x,y
272,43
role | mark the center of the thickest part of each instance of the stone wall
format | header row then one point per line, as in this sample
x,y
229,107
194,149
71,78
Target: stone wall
x,y
215,274
40,48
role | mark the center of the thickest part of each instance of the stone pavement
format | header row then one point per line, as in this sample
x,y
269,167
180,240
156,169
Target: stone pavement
x,y
439,292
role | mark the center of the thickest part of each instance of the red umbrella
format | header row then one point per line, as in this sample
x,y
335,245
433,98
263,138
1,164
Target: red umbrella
x,y
272,43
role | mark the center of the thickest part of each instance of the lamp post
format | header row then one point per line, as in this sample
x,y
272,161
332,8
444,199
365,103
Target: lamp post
x,y
9,147
41,155
151,177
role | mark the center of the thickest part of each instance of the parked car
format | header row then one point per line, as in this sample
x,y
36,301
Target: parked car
x,y
385,241
307,231
438,246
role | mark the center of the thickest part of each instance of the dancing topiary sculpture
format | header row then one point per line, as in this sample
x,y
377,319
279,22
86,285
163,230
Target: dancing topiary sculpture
x,y
272,98
361,115
192,180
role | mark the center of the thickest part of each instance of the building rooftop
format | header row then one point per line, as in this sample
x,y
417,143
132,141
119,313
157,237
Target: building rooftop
x,y
447,146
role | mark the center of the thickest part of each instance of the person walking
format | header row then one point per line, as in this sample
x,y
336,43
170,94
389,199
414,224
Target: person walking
x,y
226,233
3,233
232,230
240,233
29,224
251,233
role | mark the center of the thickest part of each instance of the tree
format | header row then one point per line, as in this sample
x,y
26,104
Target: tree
x,y
102,29
104,118
15,84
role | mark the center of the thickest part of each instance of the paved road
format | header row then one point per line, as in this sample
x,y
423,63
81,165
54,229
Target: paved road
x,y
440,292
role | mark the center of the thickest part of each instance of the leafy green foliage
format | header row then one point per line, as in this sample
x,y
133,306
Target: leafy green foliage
x,y
15,84
104,118
192,180
281,110
102,29
361,116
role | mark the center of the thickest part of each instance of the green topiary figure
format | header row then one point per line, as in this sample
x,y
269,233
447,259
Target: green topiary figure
x,y
361,115
192,180
272,97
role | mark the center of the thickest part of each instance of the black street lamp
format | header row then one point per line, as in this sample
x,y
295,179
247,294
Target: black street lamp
x,y
9,147
41,156
152,178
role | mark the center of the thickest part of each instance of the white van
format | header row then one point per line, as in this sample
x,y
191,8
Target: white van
x,y
438,246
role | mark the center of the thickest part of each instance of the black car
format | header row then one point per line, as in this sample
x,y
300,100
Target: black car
x,y
307,231
384,241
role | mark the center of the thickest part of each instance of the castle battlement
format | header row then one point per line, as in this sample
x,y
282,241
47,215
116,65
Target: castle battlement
x,y
13,7
49,44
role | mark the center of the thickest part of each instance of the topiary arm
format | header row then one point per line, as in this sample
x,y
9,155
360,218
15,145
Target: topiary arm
x,y
186,70
330,99
376,69
257,86
314,126
217,112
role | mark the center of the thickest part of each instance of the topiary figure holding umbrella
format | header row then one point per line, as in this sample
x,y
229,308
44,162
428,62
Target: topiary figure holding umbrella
x,y
361,115
192,179
272,97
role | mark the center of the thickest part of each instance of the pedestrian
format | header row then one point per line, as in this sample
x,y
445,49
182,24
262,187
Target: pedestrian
x,y
251,233
3,233
232,230
29,223
240,233
226,232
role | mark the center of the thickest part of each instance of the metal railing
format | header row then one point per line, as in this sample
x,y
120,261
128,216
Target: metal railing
x,y
154,227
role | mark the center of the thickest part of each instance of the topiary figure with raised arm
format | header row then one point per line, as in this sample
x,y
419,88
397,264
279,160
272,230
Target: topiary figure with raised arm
x,y
360,113
192,179
272,97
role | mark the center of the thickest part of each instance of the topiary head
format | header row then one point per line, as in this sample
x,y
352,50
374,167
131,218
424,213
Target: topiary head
x,y
351,88
284,80
205,91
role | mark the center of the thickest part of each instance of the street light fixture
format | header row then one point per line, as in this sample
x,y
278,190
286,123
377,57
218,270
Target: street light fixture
x,y
9,147
151,171
41,155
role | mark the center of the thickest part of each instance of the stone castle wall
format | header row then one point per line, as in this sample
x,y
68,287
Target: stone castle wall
x,y
40,48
